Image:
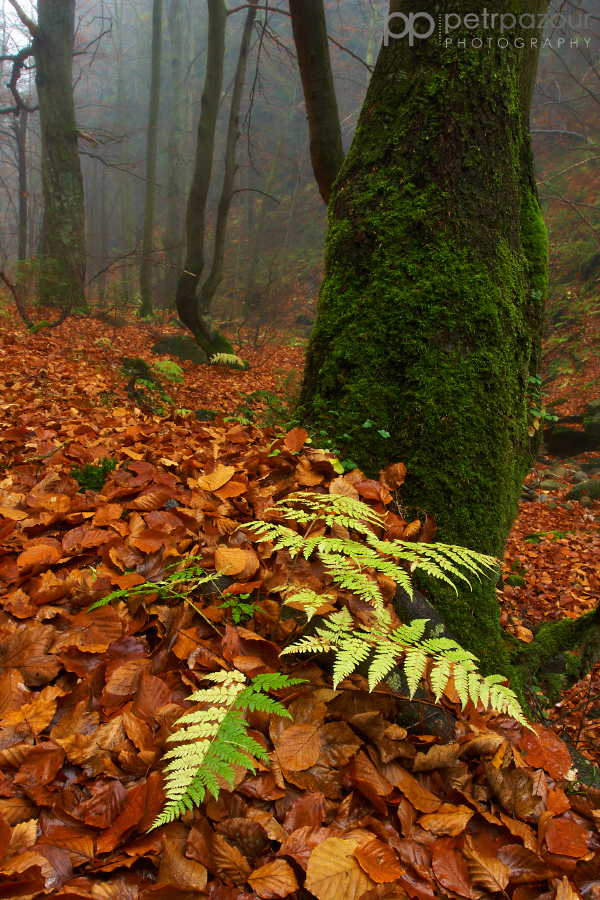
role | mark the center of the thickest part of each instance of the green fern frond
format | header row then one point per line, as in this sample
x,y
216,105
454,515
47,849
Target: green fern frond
x,y
210,741
228,359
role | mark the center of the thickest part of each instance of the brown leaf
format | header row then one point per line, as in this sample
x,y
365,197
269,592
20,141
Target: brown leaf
x,y
229,863
566,838
565,891
126,820
247,835
440,756
40,555
339,743
41,764
448,819
393,476
298,747
295,440
216,479
179,871
231,561
484,871
105,804
545,749
275,879
420,797
379,861
525,866
451,871
26,649
333,871
308,810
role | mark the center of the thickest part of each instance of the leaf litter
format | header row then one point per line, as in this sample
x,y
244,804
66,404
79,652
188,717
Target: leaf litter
x,y
351,804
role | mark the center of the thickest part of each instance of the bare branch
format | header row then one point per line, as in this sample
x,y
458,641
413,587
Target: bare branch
x,y
27,22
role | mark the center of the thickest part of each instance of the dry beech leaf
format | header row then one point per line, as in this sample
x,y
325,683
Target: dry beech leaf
x,y
379,861
298,747
451,871
273,880
485,871
216,479
566,838
230,560
178,870
448,819
229,863
333,871
440,756
564,891
294,441
420,797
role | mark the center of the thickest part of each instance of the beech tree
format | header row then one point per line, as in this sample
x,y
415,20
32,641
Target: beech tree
x,y
64,212
429,319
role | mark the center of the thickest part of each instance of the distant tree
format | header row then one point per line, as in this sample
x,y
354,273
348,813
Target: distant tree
x,y
64,212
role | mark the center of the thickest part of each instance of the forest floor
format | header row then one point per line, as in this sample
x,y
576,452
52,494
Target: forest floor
x,y
87,700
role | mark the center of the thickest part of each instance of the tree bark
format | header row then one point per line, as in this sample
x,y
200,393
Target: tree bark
x,y
210,339
21,136
429,318
209,288
124,186
146,267
173,221
312,49
64,213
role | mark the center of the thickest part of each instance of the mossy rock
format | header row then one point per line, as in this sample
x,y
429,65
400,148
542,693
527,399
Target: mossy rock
x,y
590,488
591,426
515,581
206,415
182,348
550,485
563,439
560,401
593,407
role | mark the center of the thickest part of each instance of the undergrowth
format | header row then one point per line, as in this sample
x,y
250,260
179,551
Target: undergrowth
x,y
211,739
92,476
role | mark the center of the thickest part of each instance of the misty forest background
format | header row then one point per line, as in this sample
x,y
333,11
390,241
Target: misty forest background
x,y
277,221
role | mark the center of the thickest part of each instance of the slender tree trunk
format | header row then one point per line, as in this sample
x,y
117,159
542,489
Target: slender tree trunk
x,y
187,307
153,109
21,136
429,318
215,277
64,213
371,39
103,237
290,223
124,184
173,249
312,48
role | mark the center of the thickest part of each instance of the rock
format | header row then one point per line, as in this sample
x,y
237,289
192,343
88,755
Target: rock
x,y
591,425
570,420
561,472
569,506
586,501
578,477
543,498
528,493
563,439
593,407
589,488
549,485
182,348
552,505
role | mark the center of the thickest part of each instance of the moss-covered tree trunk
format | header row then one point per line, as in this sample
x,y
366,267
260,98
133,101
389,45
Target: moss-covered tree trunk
x,y
428,324
64,213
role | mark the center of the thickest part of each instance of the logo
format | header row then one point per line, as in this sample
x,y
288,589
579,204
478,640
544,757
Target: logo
x,y
409,27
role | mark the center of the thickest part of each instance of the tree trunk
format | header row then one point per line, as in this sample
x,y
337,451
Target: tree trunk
x,y
124,185
312,49
208,337
21,136
146,267
173,222
429,318
64,213
209,288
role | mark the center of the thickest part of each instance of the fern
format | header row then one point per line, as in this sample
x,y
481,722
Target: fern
x,y
350,564
228,359
210,741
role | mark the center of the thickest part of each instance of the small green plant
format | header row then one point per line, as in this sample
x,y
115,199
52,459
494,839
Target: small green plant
x,y
92,476
538,414
213,739
230,360
241,610
166,368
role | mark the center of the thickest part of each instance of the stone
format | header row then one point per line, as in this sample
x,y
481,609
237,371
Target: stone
x,y
561,472
552,505
586,501
549,485
593,407
563,439
205,415
589,488
182,348
591,425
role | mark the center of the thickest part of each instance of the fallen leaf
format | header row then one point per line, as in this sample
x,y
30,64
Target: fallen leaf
x,y
275,879
333,871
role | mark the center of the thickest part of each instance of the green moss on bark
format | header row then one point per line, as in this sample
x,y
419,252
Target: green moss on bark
x,y
430,311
